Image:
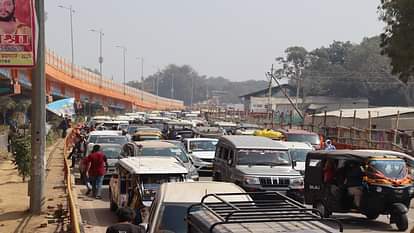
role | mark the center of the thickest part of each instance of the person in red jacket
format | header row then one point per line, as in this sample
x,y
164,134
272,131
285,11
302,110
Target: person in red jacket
x,y
97,165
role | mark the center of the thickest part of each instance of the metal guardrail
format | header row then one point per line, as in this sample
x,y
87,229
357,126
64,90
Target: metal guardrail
x,y
74,218
61,64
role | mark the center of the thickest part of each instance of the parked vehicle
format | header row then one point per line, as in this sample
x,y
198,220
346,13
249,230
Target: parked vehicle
x,y
257,164
93,136
360,181
143,135
295,135
208,132
228,127
202,151
175,130
112,153
298,152
228,213
160,148
139,179
246,129
169,209
112,139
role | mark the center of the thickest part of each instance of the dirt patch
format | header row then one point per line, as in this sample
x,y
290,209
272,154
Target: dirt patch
x,y
14,199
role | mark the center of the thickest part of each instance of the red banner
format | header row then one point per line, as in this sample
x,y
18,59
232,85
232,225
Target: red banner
x,y
17,33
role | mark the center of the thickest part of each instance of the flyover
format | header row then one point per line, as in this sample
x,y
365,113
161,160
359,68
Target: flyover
x,y
65,81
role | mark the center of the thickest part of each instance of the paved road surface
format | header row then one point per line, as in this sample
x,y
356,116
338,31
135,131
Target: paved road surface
x,y
97,216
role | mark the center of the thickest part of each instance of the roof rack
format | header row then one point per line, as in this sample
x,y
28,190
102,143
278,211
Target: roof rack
x,y
270,207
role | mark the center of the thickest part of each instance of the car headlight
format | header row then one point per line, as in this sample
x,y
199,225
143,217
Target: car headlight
x,y
192,173
378,189
411,191
251,180
296,183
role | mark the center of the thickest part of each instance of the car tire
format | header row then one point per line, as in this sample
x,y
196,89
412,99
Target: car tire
x,y
216,176
402,222
323,211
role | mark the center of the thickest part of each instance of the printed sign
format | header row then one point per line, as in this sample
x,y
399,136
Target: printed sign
x,y
17,33
63,107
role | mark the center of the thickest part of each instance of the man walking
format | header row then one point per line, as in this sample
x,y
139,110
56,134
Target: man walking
x,y
125,217
96,167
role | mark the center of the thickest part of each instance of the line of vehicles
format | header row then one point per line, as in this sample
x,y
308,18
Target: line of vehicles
x,y
263,180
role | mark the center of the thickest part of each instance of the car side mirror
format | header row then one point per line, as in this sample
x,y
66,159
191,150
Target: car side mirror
x,y
294,163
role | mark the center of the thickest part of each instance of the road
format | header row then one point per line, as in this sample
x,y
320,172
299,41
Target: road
x,y
96,215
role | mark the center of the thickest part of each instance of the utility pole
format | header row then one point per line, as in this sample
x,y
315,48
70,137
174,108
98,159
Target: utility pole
x,y
124,49
38,131
100,59
142,77
192,92
71,11
172,85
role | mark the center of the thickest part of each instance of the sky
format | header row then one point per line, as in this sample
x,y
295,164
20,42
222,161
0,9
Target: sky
x,y
235,39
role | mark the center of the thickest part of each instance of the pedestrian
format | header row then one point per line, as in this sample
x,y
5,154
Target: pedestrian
x,y
78,149
329,146
96,168
124,225
64,125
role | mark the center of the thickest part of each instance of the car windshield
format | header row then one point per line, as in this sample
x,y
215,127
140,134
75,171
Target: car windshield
x,y
120,140
165,151
394,169
92,138
173,217
299,155
151,183
310,138
203,145
148,138
263,157
111,152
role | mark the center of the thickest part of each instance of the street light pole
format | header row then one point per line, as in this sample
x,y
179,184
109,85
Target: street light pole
x,y
142,77
71,11
124,49
100,59
38,119
172,85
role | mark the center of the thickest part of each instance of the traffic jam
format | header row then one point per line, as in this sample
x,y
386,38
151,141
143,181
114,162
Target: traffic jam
x,y
179,172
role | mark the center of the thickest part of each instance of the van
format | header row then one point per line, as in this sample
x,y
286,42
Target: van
x,y
169,209
138,179
298,152
257,164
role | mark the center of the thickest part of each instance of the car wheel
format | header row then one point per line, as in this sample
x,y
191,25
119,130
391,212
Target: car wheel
x,y
216,176
402,222
322,210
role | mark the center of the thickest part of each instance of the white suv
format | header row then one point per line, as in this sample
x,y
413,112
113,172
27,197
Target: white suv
x,y
202,152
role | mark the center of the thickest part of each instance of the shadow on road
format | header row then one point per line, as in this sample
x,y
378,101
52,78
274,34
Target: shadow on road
x,y
362,224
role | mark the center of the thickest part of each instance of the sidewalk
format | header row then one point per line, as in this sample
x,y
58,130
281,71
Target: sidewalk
x,y
14,202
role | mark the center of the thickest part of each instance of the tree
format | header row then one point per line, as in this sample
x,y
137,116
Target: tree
x,y
397,40
6,104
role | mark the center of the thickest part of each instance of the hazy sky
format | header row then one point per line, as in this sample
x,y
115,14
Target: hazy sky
x,y
236,39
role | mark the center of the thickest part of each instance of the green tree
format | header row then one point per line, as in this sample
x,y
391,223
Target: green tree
x,y
397,40
22,155
6,104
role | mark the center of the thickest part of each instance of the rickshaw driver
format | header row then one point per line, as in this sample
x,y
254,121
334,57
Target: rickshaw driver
x,y
353,182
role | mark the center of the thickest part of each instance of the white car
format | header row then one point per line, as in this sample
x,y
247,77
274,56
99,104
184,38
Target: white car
x,y
202,152
93,136
298,152
169,208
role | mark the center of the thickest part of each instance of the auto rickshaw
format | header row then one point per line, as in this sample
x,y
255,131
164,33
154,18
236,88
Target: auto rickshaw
x,y
366,182
274,135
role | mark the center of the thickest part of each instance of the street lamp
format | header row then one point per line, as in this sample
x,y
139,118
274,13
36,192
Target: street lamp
x,y
71,11
100,59
142,77
124,49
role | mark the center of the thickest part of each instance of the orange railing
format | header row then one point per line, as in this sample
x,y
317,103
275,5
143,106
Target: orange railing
x,y
132,95
74,217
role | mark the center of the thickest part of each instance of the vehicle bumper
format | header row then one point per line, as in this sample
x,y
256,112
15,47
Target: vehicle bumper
x,y
296,194
203,166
